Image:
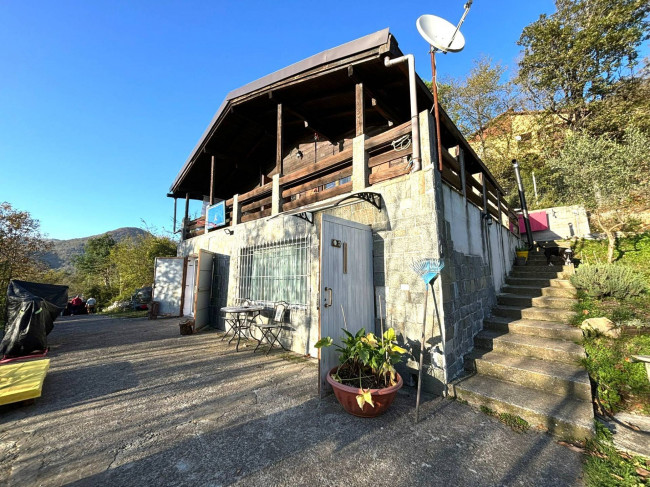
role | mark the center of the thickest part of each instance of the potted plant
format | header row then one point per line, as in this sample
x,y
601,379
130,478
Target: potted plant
x,y
522,251
366,381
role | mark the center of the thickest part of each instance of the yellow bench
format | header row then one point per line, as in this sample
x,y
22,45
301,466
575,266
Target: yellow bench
x,y
21,381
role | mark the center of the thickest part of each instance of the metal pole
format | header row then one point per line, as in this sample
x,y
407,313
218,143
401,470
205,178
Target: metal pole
x,y
522,198
422,344
434,86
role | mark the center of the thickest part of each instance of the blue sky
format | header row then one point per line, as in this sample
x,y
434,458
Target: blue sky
x,y
101,102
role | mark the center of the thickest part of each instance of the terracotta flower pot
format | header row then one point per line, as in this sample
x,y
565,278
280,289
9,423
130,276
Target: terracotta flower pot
x,y
347,396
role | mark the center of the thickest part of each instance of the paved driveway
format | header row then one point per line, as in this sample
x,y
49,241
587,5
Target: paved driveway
x,y
131,402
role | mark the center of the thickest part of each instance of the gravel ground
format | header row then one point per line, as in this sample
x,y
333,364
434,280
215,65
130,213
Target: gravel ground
x,y
131,402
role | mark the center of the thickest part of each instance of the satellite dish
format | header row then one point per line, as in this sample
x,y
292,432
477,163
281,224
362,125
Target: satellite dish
x,y
441,34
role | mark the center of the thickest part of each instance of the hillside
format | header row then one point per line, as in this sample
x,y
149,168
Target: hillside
x,y
63,251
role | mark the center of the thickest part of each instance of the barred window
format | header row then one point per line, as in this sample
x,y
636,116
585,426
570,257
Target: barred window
x,y
274,272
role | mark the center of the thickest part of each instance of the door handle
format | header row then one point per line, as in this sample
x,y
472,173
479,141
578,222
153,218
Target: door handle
x,y
325,304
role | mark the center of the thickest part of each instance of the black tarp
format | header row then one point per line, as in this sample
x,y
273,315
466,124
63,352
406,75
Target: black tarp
x,y
31,310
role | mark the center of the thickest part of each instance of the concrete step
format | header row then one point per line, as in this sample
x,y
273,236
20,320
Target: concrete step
x,y
546,329
537,272
510,299
563,283
552,377
533,313
535,266
530,346
564,417
534,291
528,281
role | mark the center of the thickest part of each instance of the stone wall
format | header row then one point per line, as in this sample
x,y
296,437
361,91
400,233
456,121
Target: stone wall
x,y
478,258
468,296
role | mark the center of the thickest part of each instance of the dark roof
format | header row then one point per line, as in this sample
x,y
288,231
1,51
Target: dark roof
x,y
357,46
320,89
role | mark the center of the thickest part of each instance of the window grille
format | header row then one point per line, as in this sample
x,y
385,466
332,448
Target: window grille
x,y
277,271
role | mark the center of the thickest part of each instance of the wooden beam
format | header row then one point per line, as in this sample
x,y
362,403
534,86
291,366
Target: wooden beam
x,y
175,202
388,156
375,104
335,176
359,109
278,143
252,122
212,180
187,214
385,138
384,109
313,170
310,121
321,195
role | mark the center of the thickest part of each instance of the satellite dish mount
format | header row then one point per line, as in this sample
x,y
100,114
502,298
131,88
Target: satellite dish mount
x,y
442,36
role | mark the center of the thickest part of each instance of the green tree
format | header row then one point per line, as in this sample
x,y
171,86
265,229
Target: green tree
x,y
482,105
479,98
610,178
576,55
134,261
20,244
95,268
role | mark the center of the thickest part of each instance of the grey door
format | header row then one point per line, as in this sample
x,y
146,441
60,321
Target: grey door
x,y
346,286
168,284
203,284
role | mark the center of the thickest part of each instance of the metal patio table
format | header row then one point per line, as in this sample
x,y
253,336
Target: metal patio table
x,y
239,319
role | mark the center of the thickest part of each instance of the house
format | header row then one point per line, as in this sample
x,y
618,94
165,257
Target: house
x,y
325,180
517,134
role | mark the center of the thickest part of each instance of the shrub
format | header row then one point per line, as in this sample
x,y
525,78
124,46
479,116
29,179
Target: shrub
x,y
600,280
616,377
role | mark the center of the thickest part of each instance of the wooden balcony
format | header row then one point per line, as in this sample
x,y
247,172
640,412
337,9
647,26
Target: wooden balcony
x,y
331,176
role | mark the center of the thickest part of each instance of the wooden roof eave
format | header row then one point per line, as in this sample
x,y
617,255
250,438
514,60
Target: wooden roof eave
x,y
340,57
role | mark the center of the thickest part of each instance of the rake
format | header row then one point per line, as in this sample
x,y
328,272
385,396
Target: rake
x,y
428,270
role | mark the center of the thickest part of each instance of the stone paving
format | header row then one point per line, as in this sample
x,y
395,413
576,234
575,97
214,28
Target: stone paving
x,y
131,402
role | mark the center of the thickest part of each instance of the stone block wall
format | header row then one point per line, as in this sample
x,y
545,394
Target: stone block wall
x,y
468,296
478,258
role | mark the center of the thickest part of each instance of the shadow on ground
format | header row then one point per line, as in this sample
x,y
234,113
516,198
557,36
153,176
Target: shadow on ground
x,y
149,407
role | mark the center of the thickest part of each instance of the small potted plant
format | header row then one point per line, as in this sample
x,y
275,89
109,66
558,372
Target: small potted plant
x,y
522,254
366,381
522,251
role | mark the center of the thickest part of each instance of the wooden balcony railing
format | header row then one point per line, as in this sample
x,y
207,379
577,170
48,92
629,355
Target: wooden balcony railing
x,y
331,177
480,192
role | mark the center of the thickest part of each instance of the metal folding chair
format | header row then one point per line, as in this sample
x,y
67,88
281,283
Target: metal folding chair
x,y
272,330
232,323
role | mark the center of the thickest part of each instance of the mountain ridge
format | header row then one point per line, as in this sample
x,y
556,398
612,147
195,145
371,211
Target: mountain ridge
x,y
63,251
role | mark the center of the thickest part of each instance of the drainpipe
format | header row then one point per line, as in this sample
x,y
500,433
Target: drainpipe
x,y
415,125
524,208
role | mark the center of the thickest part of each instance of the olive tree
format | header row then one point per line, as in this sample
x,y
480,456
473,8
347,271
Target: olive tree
x,y
609,178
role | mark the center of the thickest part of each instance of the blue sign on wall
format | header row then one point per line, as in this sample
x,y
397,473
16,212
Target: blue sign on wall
x,y
216,215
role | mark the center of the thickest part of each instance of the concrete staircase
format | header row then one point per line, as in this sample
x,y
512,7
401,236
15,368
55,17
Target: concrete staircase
x,y
526,361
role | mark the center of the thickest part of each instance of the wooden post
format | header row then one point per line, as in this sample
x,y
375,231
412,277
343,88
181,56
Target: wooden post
x,y
360,122
175,202
236,210
499,207
187,213
278,147
481,178
212,181
276,195
463,180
